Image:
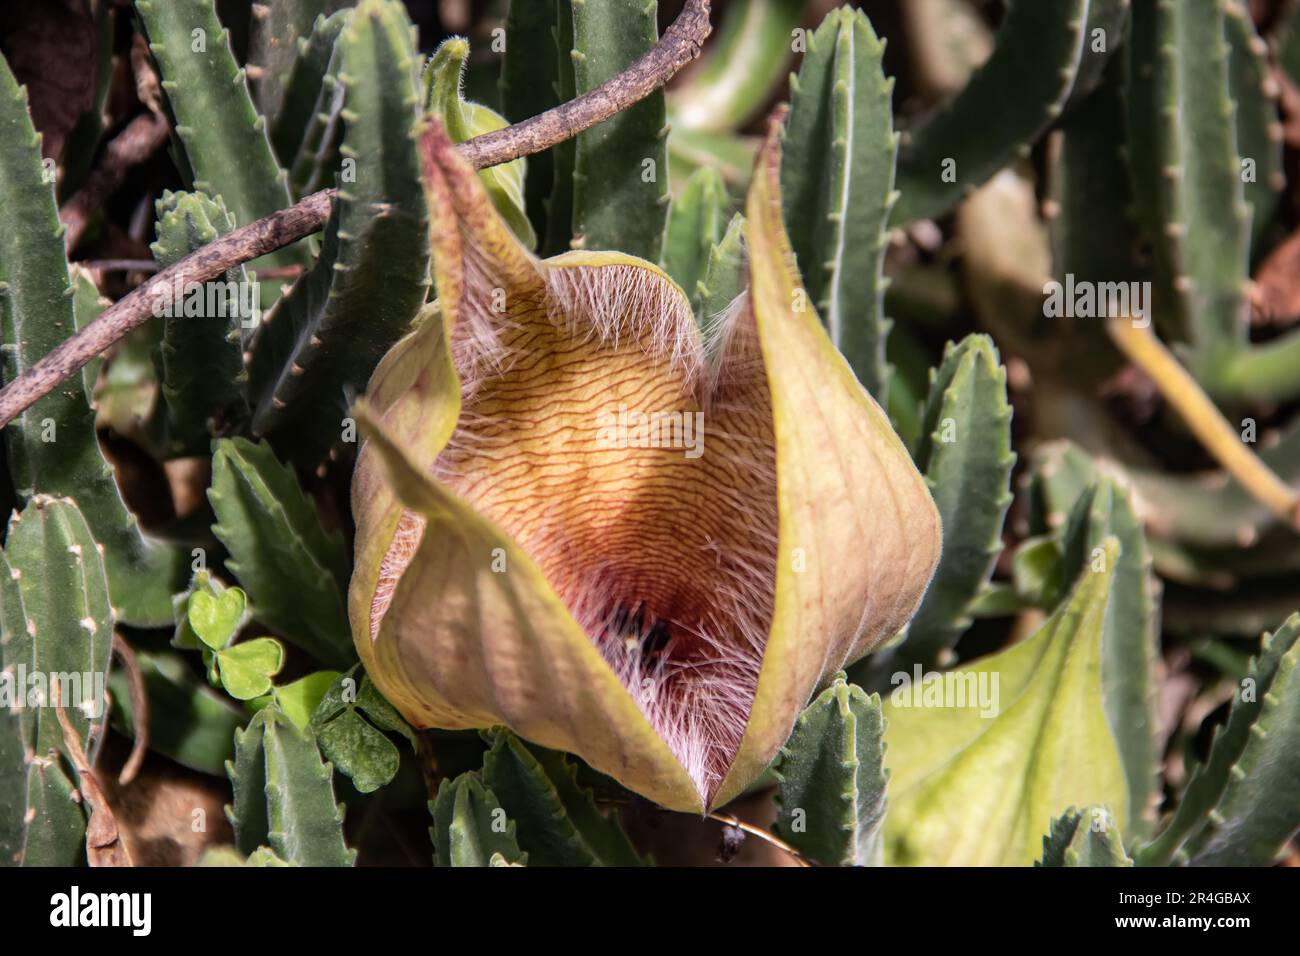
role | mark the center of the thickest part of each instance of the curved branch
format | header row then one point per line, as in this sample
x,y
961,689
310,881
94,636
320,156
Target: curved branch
x,y
679,45
131,311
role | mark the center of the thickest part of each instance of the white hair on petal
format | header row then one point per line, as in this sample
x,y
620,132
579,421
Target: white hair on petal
x,y
697,698
614,302
406,539
718,327
734,356
482,322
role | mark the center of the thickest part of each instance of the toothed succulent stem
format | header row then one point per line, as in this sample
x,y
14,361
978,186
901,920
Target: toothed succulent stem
x,y
620,168
53,448
965,454
838,187
225,141
56,638
995,117
200,363
316,350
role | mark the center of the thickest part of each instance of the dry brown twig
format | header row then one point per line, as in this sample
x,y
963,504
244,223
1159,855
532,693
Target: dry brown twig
x,y
141,138
139,709
104,846
679,45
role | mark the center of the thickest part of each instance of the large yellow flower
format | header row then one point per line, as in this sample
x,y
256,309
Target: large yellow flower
x,y
577,518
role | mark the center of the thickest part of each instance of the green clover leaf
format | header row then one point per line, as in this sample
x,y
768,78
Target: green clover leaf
x,y
215,619
352,742
246,669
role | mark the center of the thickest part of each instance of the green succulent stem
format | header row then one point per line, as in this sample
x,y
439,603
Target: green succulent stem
x,y
737,75
1221,780
1261,373
837,182
225,140
53,448
304,87
319,345
1004,107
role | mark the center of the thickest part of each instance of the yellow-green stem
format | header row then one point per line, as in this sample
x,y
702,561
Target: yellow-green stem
x,y
1143,349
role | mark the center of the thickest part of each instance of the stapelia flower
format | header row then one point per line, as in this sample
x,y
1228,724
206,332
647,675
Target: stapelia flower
x,y
525,556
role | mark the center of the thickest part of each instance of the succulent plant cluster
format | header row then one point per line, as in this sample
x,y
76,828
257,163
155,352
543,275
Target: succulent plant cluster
x,y
402,566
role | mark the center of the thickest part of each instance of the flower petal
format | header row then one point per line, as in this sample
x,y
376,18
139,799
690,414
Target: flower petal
x,y
859,534
475,636
615,598
645,544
